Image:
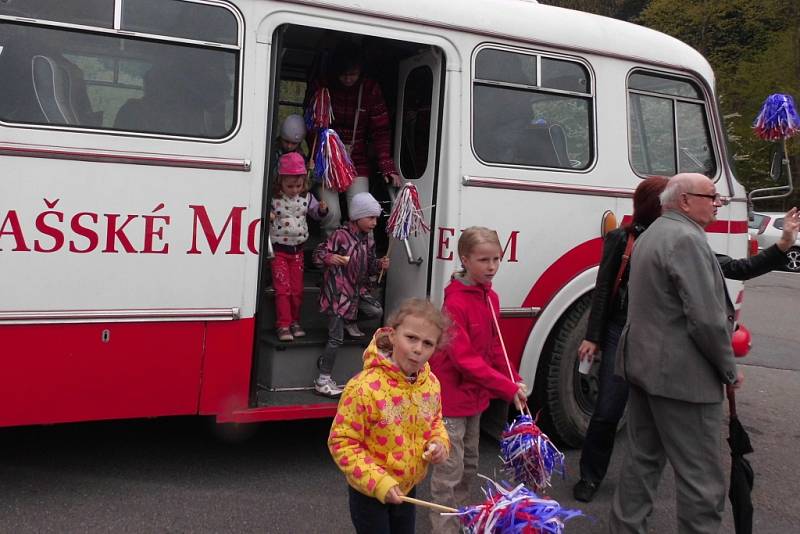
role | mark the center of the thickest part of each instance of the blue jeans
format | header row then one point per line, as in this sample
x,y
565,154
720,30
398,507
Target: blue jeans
x,y
611,399
371,516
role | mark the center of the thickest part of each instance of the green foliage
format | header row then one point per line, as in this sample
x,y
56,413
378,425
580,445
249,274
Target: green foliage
x,y
754,49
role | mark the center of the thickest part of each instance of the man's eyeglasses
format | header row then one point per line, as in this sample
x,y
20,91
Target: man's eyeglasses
x,y
714,198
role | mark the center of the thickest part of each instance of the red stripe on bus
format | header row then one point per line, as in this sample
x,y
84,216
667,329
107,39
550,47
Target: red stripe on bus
x,y
281,413
727,227
717,227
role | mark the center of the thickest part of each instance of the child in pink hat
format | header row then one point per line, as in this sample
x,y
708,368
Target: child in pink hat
x,y
291,203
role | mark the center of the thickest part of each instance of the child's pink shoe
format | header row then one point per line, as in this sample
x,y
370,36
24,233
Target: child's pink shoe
x,y
297,330
284,334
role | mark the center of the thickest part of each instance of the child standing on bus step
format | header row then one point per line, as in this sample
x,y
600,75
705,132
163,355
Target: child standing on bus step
x,y
288,231
293,131
348,257
472,369
388,426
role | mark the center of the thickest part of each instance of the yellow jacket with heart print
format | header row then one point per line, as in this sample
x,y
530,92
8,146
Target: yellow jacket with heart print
x,y
384,423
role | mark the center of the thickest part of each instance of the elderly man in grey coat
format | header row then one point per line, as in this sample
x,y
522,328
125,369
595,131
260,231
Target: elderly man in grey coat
x,y
675,352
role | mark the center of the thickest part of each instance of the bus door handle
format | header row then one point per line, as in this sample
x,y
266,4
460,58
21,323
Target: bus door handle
x,y
411,260
270,251
409,253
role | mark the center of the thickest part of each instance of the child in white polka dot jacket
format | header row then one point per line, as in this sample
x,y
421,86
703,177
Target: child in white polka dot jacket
x,y
291,203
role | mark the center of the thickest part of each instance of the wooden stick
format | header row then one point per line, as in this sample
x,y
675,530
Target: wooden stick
x,y
431,505
388,253
525,410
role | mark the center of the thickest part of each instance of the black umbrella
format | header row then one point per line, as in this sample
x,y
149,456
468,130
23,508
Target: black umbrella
x,y
741,471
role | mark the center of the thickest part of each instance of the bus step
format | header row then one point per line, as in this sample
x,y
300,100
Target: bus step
x,y
264,398
293,364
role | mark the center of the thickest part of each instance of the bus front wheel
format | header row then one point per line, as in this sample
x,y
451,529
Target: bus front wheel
x,y
566,397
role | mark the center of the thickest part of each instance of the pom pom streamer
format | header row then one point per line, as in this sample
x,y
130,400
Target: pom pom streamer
x,y
406,215
778,119
514,511
529,457
332,165
319,113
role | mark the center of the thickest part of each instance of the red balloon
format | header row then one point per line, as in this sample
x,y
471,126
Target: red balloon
x,y
741,341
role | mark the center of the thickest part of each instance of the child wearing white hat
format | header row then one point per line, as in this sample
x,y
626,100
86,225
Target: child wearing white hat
x,y
290,139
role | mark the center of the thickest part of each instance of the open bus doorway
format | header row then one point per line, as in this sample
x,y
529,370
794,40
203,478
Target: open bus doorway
x,y
410,77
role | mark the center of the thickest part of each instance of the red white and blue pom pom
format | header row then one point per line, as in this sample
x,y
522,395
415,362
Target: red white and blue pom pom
x,y
529,457
319,113
778,119
514,511
332,165
406,215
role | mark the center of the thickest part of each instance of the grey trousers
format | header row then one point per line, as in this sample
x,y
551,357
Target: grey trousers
x,y
688,435
451,481
368,307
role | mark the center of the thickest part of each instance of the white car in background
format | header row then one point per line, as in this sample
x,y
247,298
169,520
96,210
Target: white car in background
x,y
767,227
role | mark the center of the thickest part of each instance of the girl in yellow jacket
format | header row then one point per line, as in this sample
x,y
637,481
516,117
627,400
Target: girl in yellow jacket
x,y
388,426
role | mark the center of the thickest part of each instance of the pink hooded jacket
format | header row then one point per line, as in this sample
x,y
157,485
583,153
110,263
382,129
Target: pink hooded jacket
x,y
471,368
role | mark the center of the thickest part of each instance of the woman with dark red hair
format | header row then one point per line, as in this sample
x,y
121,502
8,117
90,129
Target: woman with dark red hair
x,y
608,316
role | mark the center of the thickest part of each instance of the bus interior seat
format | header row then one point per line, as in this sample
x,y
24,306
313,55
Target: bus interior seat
x,y
559,139
51,84
535,147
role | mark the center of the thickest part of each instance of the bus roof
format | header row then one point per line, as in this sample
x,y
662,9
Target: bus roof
x,y
529,21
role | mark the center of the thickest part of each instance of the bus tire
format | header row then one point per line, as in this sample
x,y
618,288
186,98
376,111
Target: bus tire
x,y
566,397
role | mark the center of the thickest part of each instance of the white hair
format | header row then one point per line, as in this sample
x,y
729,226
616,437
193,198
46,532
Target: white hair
x,y
676,186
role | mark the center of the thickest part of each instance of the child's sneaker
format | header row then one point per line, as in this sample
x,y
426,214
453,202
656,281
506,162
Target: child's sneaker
x,y
353,330
284,334
326,386
297,330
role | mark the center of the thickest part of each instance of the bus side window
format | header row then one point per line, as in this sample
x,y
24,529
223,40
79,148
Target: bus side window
x,y
520,119
668,126
81,79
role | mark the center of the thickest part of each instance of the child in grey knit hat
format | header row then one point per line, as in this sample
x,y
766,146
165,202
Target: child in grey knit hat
x,y
349,259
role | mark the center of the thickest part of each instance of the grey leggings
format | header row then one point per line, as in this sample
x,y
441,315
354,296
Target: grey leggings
x,y
368,307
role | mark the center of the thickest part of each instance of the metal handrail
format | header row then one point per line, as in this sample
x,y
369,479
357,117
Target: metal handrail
x,y
789,188
409,252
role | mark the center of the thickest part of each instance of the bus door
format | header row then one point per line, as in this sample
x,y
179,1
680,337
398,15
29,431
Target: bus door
x,y
416,153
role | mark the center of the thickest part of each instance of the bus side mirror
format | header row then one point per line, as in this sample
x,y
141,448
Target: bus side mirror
x,y
776,164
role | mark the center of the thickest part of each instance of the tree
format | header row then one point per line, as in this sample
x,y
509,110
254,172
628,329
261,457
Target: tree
x,y
754,48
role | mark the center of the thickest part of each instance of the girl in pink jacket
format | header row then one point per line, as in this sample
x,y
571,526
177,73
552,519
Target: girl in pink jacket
x,y
472,369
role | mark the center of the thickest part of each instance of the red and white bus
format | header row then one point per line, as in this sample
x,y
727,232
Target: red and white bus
x,y
135,143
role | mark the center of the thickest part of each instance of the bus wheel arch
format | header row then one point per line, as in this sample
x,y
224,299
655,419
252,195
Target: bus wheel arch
x,y
538,366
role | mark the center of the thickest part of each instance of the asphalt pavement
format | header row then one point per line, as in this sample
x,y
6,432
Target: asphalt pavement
x,y
172,475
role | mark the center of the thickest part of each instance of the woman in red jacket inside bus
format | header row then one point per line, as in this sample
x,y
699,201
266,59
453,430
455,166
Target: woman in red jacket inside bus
x,y
361,118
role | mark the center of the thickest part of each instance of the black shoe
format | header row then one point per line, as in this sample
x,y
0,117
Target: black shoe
x,y
584,490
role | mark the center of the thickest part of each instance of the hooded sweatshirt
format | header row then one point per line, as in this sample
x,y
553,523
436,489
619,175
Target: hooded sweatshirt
x,y
471,367
384,423
343,285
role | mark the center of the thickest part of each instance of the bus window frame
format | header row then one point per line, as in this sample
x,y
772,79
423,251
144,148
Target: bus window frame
x,y
705,101
589,96
125,34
